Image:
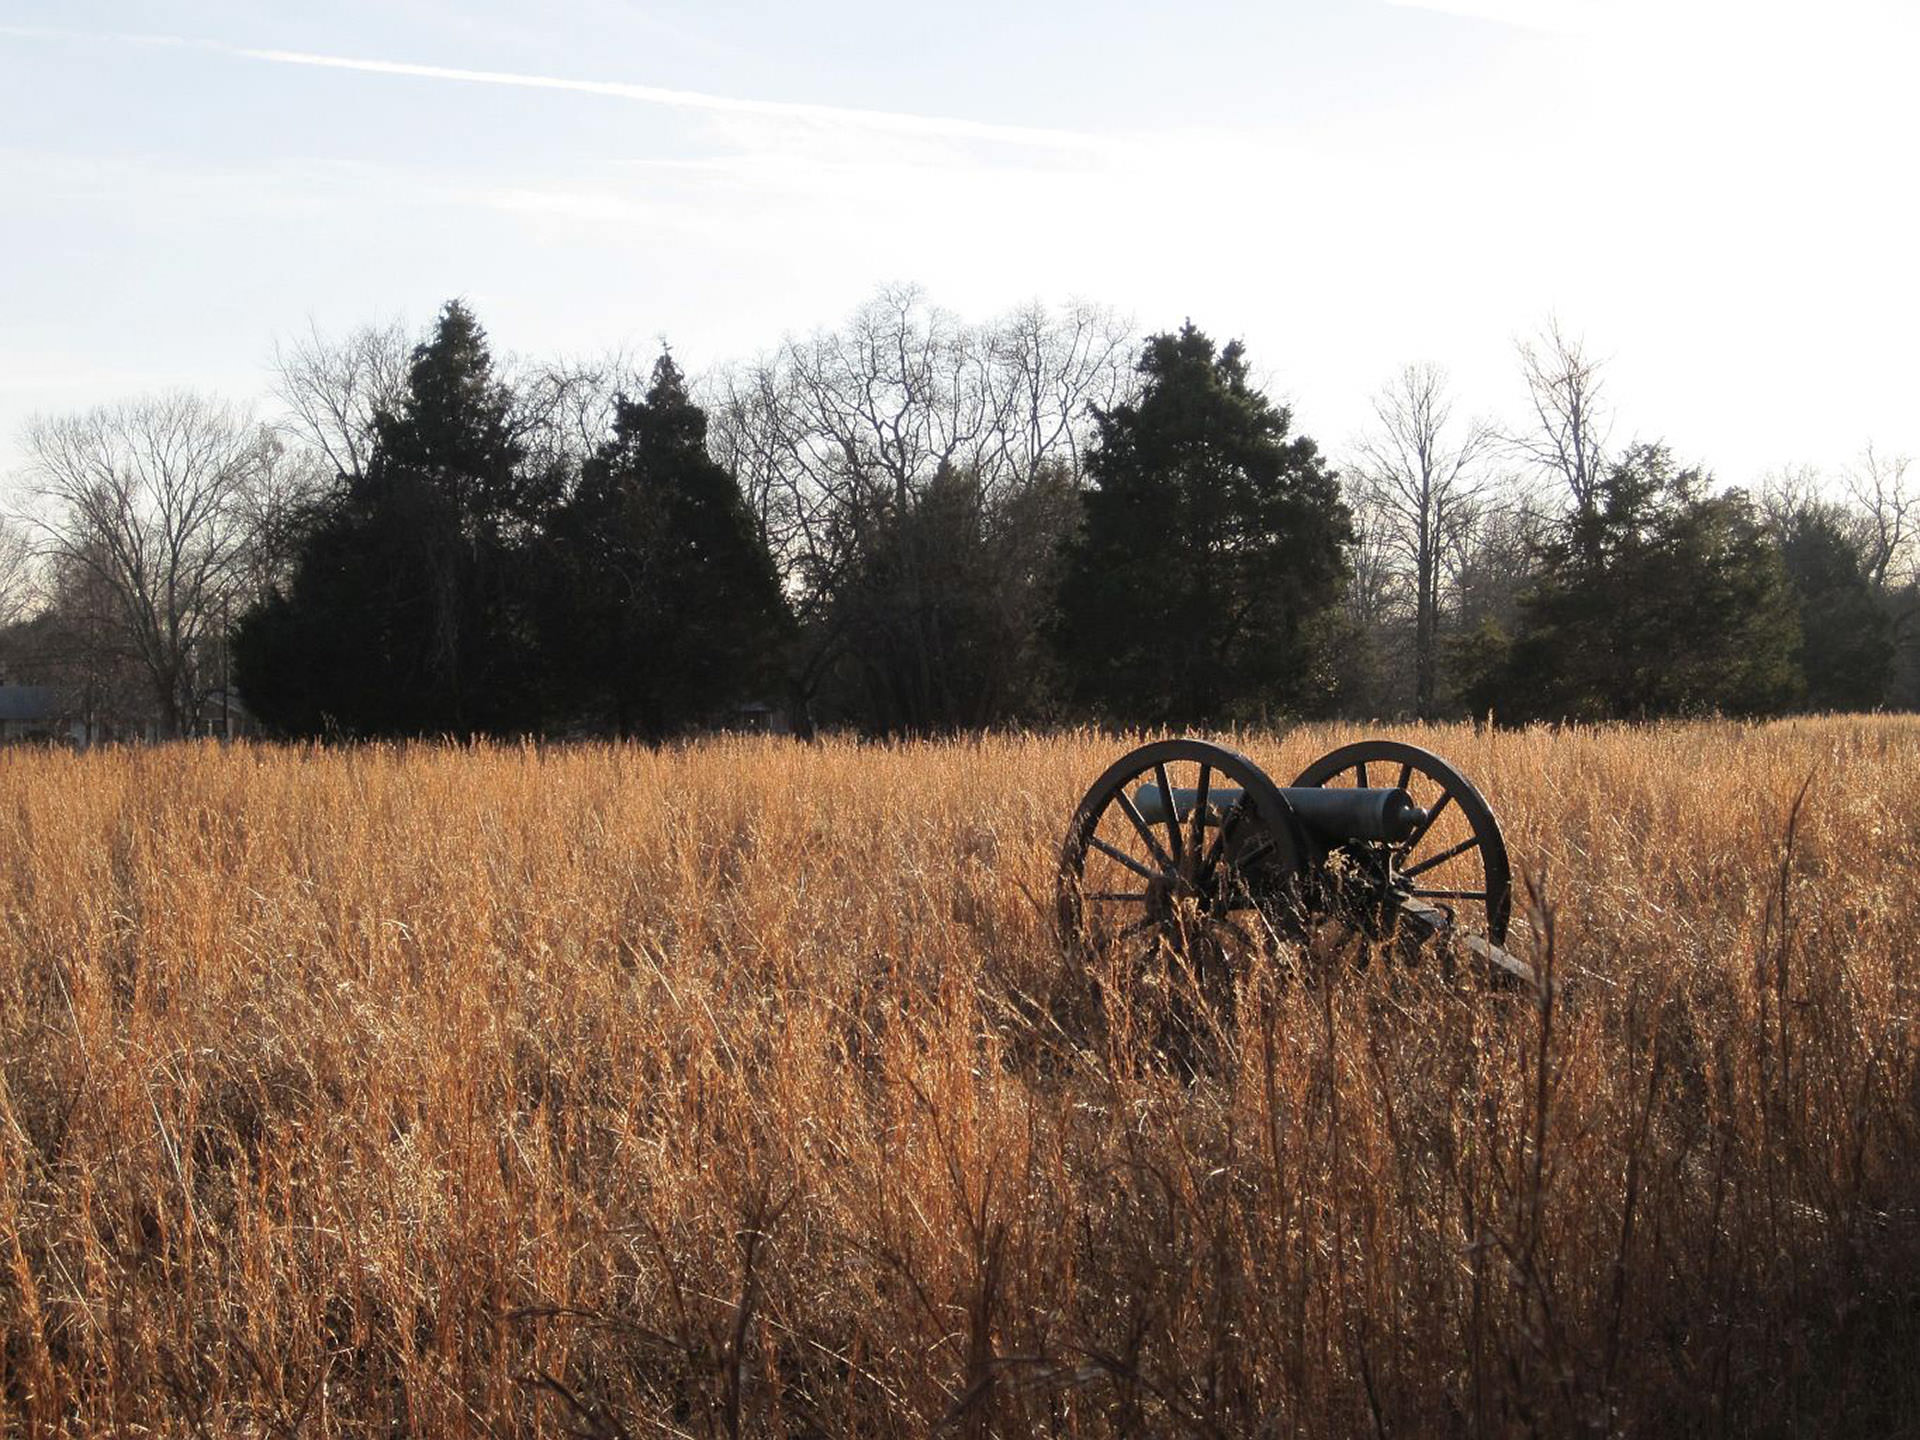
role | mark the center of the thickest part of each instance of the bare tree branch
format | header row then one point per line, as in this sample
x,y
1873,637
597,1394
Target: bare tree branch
x,y
837,437
1889,502
1570,421
149,498
19,576
563,410
1418,479
333,388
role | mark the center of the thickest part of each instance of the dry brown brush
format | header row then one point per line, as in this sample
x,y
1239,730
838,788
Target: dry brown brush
x,y
742,1089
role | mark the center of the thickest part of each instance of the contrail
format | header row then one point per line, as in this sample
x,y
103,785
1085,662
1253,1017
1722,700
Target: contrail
x,y
884,121
1554,17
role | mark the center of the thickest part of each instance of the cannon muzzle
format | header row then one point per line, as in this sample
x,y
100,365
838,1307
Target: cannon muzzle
x,y
1335,816
1386,813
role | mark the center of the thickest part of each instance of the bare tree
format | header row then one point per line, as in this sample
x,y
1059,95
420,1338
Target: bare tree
x,y
76,644
17,573
1788,495
1420,479
905,392
1375,669
1886,504
145,498
1567,438
271,505
333,388
836,439
563,410
1788,490
1048,373
1373,593
1889,504
749,424
1494,556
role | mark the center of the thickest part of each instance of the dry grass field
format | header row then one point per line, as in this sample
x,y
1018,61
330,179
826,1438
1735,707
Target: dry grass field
x,y
743,1089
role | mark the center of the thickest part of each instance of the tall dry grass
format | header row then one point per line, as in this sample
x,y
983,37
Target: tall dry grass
x,y
742,1089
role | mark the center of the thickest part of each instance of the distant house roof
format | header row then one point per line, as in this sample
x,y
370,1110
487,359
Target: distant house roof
x,y
28,703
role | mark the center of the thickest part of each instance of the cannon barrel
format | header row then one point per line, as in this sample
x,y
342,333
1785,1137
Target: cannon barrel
x,y
1386,813
1334,815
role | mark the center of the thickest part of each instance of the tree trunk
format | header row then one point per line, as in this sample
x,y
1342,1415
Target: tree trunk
x,y
1424,627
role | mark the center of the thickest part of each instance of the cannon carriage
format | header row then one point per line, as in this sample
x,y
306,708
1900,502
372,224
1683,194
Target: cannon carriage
x,y
1188,848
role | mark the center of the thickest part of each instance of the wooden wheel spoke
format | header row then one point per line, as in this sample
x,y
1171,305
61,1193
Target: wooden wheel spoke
x,y
1407,847
1113,852
1406,774
1472,842
1360,774
1200,811
1119,896
1219,847
1446,894
1174,842
1132,812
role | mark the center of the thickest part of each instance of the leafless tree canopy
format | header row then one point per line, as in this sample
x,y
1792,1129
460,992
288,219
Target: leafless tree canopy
x,y
1888,502
563,410
1494,559
1375,590
873,412
17,574
270,506
76,645
837,434
1569,419
148,498
1788,489
333,387
1419,481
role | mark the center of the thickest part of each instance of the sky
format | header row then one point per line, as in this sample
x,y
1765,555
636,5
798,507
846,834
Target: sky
x,y
1720,198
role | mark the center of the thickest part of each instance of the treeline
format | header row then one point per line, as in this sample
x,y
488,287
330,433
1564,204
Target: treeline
x,y
912,525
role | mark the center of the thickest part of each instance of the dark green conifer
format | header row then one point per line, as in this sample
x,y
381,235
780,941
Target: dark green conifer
x,y
666,607
1212,549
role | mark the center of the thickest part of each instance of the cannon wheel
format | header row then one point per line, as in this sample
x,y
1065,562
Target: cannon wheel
x,y
1202,891
1456,861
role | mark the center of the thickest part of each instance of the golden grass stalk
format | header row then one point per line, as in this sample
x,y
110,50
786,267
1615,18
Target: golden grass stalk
x,y
741,1088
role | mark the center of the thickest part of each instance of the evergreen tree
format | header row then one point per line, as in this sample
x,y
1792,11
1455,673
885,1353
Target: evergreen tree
x,y
405,612
1200,585
665,606
1845,655
1660,599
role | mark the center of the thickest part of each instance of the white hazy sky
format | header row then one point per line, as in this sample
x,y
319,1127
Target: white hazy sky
x,y
1719,196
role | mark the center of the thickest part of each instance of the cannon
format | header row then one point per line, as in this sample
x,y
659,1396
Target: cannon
x,y
1189,848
